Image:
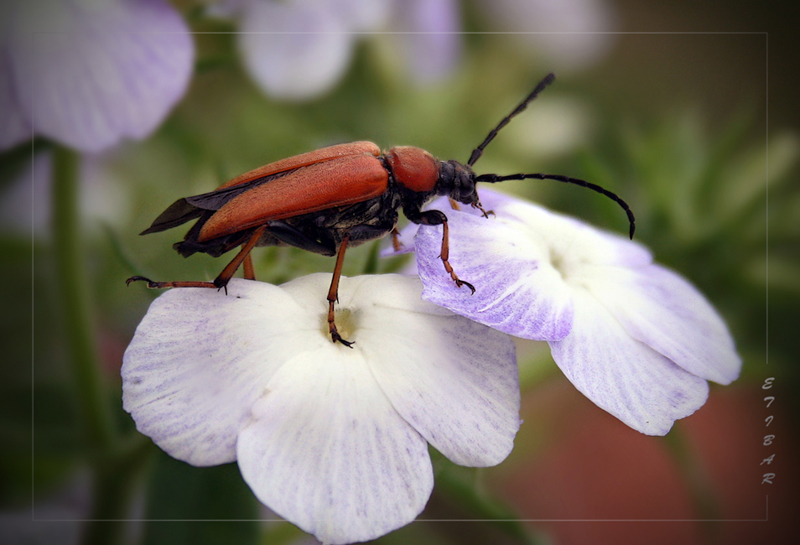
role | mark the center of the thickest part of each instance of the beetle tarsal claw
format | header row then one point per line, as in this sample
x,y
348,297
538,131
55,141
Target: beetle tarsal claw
x,y
150,283
336,338
484,213
460,283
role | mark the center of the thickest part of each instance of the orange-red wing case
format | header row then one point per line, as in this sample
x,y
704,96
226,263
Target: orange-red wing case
x,y
318,186
305,159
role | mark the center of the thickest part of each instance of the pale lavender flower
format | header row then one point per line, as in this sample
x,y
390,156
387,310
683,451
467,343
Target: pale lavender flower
x,y
88,74
334,439
429,43
300,49
634,337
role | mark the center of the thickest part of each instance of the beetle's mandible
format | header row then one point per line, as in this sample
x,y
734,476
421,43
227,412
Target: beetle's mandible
x,y
326,200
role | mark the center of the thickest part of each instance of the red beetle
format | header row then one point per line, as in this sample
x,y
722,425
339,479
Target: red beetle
x,y
325,200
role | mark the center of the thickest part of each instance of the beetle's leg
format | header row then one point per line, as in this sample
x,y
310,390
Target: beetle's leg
x,y
249,272
484,213
396,244
435,217
333,294
220,281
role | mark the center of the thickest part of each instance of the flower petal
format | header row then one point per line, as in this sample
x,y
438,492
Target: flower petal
x,y
455,381
328,452
661,309
572,243
432,46
518,291
623,376
294,51
91,73
15,127
200,359
462,395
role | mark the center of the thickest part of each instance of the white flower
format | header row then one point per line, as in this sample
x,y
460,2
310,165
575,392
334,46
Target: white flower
x,y
334,439
636,338
89,73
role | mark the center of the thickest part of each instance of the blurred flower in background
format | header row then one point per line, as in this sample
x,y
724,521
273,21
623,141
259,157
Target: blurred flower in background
x,y
300,49
88,74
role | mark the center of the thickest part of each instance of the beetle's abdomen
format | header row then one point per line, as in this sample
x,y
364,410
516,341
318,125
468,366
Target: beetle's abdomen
x,y
413,168
319,186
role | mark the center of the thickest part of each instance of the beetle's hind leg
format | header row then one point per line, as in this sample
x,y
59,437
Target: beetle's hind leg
x,y
221,281
249,271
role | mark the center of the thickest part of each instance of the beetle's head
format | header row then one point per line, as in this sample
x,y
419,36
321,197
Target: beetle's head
x,y
457,181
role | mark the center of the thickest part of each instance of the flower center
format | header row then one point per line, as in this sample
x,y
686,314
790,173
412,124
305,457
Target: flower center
x,y
345,321
558,262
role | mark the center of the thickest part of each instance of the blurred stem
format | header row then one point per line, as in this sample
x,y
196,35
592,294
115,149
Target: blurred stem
x,y
73,287
460,484
696,476
111,465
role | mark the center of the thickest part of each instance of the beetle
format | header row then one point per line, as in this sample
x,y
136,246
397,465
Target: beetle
x,y
326,200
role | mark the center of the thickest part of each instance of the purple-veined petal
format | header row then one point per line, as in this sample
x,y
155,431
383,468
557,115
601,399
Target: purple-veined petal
x,y
91,73
455,381
517,290
327,449
294,50
625,377
201,358
571,242
661,309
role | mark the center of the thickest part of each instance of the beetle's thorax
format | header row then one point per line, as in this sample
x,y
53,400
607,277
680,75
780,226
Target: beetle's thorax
x,y
457,181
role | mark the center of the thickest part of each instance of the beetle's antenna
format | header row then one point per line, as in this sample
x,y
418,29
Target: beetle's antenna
x,y
493,178
477,152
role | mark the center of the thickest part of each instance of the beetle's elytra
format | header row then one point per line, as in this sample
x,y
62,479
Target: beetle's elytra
x,y
331,198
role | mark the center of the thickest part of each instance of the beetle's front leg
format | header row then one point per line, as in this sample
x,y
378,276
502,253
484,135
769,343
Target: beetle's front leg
x,y
436,217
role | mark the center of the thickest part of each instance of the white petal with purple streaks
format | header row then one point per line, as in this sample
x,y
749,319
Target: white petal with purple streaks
x,y
517,290
627,378
200,359
636,338
664,311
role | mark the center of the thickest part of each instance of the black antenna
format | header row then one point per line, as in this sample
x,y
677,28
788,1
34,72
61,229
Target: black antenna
x,y
494,178
477,152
